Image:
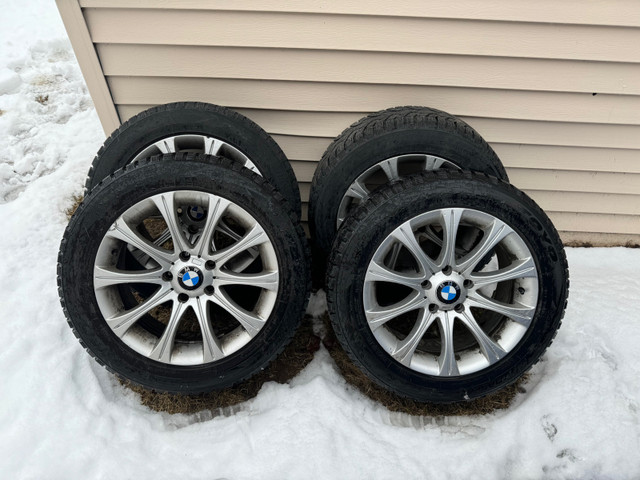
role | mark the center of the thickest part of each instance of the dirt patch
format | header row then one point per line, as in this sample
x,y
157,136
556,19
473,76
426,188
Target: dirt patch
x,y
1,112
42,99
482,406
289,363
77,200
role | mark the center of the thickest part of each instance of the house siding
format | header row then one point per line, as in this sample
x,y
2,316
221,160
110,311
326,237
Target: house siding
x,y
553,86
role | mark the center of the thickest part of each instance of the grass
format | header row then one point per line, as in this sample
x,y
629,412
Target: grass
x,y
76,201
482,406
289,363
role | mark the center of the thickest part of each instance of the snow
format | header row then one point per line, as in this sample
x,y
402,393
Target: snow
x,y
62,416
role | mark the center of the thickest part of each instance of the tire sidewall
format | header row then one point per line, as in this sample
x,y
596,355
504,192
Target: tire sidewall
x,y
83,238
155,124
525,219
466,154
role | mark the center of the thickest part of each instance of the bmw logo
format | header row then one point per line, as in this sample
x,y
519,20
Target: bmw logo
x,y
190,278
196,212
448,292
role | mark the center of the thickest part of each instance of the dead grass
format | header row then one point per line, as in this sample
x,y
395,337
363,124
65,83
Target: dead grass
x,y
42,99
482,406
1,112
289,363
77,200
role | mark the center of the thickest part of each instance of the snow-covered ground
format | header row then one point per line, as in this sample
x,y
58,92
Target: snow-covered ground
x,y
64,417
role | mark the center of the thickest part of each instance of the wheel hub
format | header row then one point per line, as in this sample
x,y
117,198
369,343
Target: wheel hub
x,y
190,276
446,291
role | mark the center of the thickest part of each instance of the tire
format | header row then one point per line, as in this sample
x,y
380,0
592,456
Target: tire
x,y
359,151
241,138
225,320
395,323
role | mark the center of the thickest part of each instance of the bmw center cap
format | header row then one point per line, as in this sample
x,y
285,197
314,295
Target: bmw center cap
x,y
448,292
196,212
190,278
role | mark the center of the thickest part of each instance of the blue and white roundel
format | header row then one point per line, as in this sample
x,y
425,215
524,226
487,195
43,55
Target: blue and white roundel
x,y
190,279
449,293
196,212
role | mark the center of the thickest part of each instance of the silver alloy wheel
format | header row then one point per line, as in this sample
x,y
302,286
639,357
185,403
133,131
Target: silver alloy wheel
x,y
447,287
194,275
197,144
387,170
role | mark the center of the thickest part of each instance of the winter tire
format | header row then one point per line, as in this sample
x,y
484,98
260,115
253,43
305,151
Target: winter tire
x,y
184,273
447,286
383,147
197,128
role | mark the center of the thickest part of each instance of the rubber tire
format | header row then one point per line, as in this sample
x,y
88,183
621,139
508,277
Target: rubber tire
x,y
139,180
163,121
383,135
388,208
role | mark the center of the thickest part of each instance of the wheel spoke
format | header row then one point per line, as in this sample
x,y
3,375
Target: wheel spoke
x,y
107,276
122,231
491,238
433,163
407,347
212,146
167,145
253,237
447,359
357,190
519,269
266,280
519,313
124,321
378,316
216,208
164,347
390,168
165,202
404,234
490,349
450,219
211,348
249,321
164,237
380,273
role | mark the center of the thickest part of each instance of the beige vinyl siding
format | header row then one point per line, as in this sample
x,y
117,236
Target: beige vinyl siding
x,y
553,86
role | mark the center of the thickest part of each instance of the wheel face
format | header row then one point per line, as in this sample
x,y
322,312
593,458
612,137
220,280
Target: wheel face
x,y
191,277
194,143
446,285
445,296
172,273
384,147
388,170
195,127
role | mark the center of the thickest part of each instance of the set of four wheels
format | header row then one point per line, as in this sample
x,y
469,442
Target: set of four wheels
x,y
186,268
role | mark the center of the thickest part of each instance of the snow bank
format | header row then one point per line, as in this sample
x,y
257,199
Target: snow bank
x,y
62,416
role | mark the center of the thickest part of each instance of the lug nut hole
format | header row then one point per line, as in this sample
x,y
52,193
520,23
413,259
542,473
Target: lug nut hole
x,y
183,297
209,289
468,284
184,256
426,284
447,270
459,308
433,308
167,276
210,265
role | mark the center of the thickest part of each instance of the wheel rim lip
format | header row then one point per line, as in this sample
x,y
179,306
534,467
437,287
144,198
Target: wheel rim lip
x,y
187,353
476,362
344,206
163,145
